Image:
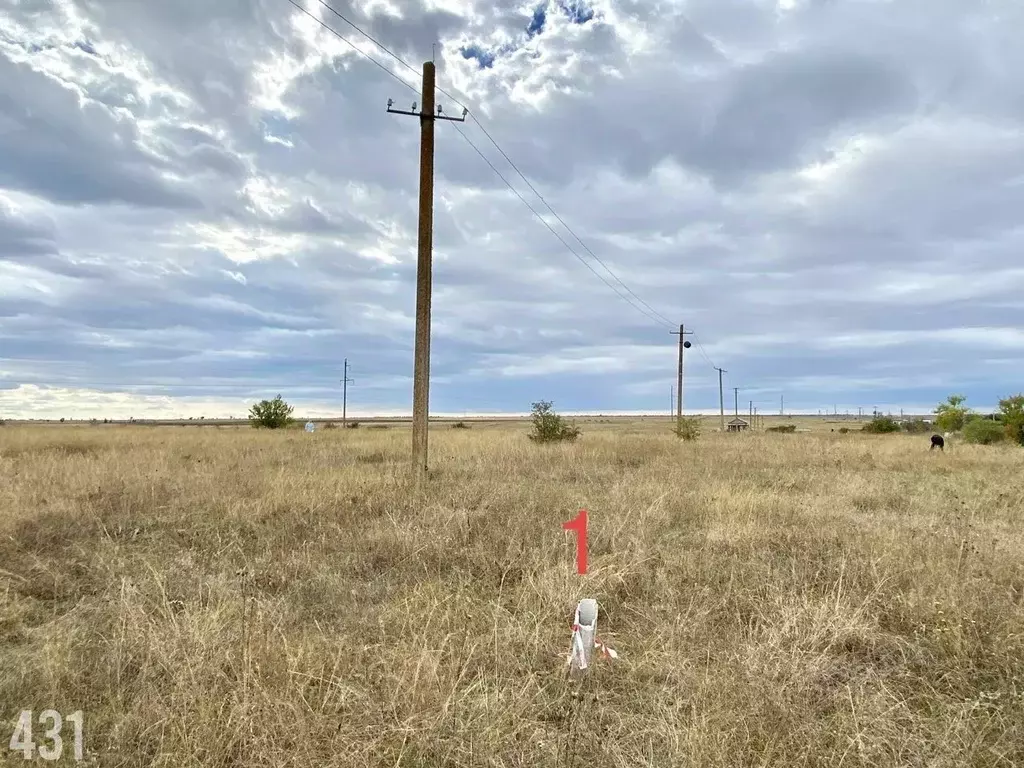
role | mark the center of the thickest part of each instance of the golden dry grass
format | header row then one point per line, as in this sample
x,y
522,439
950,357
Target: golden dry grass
x,y
239,597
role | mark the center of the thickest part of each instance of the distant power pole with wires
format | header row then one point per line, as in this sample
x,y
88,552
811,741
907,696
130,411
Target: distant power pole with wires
x,y
682,333
344,396
721,397
421,355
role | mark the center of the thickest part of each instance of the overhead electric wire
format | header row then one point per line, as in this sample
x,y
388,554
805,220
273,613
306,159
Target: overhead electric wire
x,y
551,229
700,348
642,306
650,311
353,46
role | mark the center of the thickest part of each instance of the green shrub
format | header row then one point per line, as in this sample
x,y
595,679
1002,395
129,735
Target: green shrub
x,y
352,425
983,432
917,426
271,414
460,425
1012,411
881,425
783,428
844,430
549,427
687,428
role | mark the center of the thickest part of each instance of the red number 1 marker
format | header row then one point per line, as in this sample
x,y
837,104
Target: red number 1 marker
x,y
579,524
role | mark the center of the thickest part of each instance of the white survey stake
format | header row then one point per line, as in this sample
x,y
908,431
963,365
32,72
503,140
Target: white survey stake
x,y
50,745
584,638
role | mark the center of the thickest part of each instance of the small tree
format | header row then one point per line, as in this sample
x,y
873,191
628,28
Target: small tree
x,y
271,414
687,428
951,415
549,427
1012,411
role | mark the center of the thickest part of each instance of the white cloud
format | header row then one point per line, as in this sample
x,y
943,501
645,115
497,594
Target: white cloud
x,y
213,198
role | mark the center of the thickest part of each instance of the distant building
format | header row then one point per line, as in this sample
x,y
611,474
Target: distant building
x,y
737,425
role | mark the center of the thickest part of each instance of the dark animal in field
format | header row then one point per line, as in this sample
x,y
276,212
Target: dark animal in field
x,y
938,442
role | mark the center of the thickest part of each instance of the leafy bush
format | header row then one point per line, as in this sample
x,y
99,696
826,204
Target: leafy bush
x,y
352,425
951,415
687,428
784,428
983,432
844,430
271,414
917,426
330,425
549,427
1012,411
881,425
460,425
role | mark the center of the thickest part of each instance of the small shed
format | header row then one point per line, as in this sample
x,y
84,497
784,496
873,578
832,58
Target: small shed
x,y
737,425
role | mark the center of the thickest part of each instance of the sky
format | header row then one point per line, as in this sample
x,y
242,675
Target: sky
x,y
205,204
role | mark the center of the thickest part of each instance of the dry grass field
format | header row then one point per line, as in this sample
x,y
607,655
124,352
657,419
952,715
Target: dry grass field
x,y
234,597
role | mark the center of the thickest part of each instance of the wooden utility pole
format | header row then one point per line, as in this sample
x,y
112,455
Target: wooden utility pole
x,y
782,405
682,333
344,396
721,400
736,401
421,359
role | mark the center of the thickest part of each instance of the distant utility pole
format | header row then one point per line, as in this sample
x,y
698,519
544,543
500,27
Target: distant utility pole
x,y
682,333
344,396
750,412
736,401
782,405
721,400
421,357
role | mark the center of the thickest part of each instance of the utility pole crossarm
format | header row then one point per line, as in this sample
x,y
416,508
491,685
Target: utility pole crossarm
x,y
439,116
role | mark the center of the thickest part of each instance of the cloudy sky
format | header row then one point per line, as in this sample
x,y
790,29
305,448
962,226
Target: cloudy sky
x,y
206,203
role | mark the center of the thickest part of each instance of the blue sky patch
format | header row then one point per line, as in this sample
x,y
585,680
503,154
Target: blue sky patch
x,y
485,59
578,11
537,21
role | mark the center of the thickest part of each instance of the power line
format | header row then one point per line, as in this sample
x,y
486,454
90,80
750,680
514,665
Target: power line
x,y
650,311
700,348
661,317
641,306
378,43
651,315
353,45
